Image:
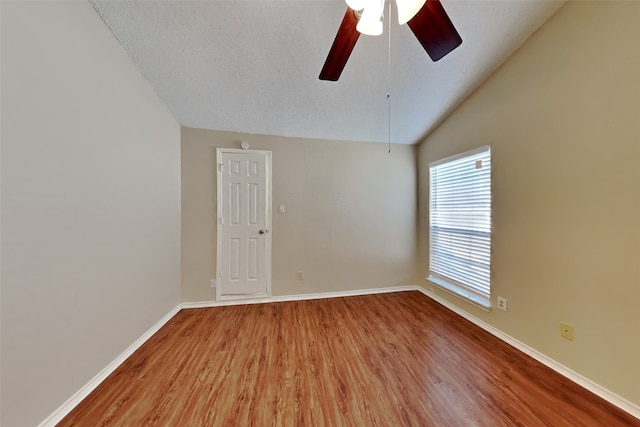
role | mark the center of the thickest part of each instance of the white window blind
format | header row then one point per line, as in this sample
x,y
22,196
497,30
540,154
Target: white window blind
x,y
460,225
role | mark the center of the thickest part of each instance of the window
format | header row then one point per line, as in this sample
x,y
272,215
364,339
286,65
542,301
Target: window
x,y
460,225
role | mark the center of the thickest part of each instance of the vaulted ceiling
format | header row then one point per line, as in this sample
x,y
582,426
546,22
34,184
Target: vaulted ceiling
x,y
252,66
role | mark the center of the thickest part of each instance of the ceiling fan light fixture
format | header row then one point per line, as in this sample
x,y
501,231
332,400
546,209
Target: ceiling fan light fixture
x,y
431,25
370,22
407,9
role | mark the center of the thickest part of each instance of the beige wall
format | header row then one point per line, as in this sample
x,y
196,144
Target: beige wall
x,y
350,220
563,119
90,205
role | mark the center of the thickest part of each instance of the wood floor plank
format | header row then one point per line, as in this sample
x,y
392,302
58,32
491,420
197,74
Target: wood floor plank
x,y
376,360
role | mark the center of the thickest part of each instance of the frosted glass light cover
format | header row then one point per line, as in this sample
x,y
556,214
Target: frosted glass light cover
x,y
370,22
407,9
356,4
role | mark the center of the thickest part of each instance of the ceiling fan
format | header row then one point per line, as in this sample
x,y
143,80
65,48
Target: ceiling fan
x,y
427,19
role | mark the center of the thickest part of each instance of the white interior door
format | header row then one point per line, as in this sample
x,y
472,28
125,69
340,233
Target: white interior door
x,y
244,221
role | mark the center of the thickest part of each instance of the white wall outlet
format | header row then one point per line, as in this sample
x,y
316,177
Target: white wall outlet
x,y
502,303
281,209
300,275
213,283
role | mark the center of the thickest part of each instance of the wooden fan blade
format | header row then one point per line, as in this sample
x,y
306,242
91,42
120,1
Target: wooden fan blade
x,y
341,48
434,30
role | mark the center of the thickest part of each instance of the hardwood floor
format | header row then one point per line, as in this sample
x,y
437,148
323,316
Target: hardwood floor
x,y
377,360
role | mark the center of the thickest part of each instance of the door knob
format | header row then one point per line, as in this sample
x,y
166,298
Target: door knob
x,y
262,231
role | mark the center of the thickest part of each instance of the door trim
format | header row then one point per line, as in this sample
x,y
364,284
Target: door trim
x,y
268,178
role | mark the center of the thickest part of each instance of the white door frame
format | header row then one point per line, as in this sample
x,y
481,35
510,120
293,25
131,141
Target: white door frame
x,y
268,214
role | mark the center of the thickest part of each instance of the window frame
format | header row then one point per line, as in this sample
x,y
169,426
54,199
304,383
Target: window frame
x,y
469,293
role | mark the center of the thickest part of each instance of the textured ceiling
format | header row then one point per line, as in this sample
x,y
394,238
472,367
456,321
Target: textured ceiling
x,y
252,66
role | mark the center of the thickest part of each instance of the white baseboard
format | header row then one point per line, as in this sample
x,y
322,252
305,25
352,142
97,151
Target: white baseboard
x,y
74,400
299,297
577,378
607,395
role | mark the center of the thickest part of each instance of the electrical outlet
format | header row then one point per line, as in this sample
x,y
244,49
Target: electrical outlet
x,y
502,303
300,275
213,283
566,331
